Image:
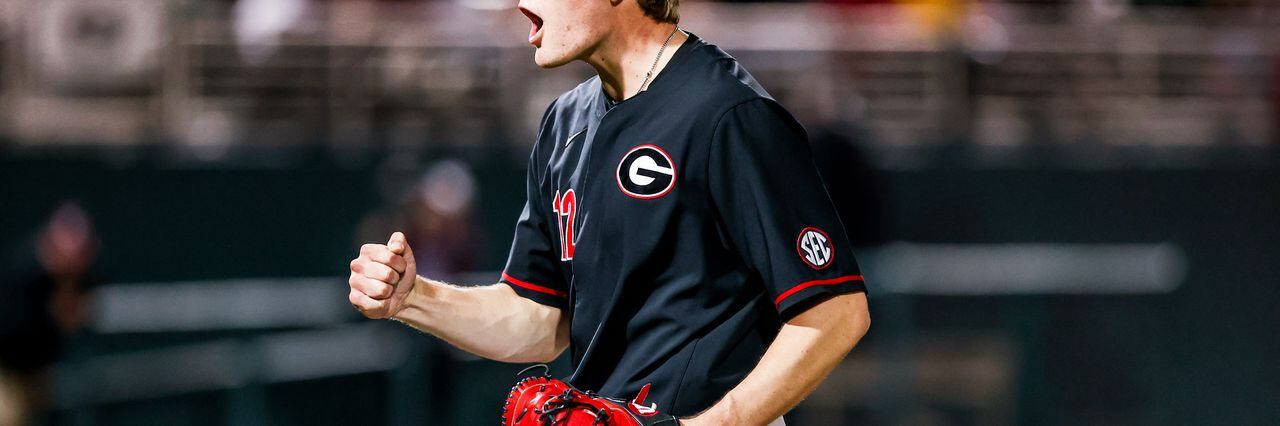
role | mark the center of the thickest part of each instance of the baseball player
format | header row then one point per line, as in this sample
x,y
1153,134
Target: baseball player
x,y
676,239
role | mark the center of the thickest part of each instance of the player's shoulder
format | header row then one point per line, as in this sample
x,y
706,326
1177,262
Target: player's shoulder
x,y
718,82
576,101
568,113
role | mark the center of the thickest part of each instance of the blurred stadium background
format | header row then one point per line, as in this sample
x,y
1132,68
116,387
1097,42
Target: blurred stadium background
x,y
1068,212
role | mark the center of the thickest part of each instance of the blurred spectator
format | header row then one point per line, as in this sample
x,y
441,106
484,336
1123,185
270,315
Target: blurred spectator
x,y
436,216
443,226
852,182
45,301
1274,142
832,112
259,25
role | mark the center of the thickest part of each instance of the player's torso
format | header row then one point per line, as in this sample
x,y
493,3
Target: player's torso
x,y
627,190
641,249
654,288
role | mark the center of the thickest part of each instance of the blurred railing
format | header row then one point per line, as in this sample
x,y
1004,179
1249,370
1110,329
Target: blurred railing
x,y
996,77
305,330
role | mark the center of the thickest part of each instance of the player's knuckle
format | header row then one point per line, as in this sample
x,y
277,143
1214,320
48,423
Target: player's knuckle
x,y
368,289
374,273
373,288
377,309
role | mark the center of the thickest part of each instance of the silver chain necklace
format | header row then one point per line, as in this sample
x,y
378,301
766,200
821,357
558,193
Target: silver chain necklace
x,y
645,86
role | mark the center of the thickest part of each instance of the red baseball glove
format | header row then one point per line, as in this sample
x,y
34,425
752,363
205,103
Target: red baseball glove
x,y
545,401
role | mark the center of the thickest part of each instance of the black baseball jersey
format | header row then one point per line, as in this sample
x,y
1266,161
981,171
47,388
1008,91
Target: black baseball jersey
x,y
679,229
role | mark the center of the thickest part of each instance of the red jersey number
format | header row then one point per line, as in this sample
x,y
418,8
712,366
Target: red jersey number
x,y
566,209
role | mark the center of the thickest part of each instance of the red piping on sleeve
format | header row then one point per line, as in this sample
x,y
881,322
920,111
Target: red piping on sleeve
x,y
831,281
534,287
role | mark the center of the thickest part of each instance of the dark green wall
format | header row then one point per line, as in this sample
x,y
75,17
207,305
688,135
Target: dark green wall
x,y
1204,354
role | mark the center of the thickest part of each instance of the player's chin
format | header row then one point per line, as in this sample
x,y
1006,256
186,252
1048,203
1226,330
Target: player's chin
x,y
546,58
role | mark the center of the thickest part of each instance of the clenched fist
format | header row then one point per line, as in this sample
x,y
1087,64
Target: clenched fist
x,y
382,277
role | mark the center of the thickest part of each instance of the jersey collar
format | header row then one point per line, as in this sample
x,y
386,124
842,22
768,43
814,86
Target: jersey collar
x,y
602,101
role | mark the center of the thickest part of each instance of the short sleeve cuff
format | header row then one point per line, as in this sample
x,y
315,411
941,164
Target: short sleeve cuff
x,y
805,295
537,293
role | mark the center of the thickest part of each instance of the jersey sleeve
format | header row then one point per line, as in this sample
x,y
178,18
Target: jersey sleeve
x,y
775,210
533,265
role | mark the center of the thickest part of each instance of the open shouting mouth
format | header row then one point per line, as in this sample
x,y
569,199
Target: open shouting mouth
x,y
535,31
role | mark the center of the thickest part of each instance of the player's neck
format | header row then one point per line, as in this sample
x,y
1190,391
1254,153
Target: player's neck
x,y
623,60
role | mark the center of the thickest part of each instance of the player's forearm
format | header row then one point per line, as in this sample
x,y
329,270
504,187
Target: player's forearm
x,y
490,321
805,351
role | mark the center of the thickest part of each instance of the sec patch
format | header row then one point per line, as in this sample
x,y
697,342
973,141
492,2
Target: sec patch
x,y
646,172
815,248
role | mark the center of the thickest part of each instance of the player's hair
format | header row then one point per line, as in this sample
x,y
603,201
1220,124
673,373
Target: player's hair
x,y
663,11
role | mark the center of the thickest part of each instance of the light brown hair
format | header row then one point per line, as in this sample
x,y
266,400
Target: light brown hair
x,y
663,11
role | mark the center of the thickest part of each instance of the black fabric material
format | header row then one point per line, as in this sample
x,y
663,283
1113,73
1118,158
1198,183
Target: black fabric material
x,y
683,285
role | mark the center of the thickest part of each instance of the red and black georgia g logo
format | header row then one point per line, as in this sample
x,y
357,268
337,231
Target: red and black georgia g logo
x,y
646,172
815,248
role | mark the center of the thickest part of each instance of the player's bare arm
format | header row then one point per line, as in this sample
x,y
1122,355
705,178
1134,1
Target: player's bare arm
x,y
806,350
489,321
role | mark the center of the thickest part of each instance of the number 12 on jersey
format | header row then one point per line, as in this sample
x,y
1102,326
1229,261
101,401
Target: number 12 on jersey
x,y
566,209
